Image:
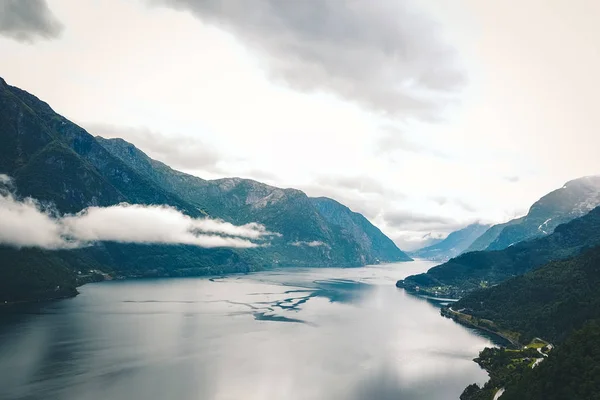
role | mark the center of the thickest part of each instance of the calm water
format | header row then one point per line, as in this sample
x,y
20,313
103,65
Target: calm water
x,y
286,334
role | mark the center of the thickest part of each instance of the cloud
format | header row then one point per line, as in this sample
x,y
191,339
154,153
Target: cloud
x,y
418,222
367,203
396,139
443,200
512,179
464,205
28,20
314,243
157,224
381,54
261,175
27,223
362,184
179,152
5,180
413,240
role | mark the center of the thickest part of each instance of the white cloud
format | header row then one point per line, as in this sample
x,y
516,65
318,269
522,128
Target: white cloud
x,y
313,243
25,223
5,179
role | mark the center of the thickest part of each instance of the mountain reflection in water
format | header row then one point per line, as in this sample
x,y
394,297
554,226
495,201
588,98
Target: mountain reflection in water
x,y
286,334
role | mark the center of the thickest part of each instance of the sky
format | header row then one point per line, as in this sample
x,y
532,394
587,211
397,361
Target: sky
x,y
423,116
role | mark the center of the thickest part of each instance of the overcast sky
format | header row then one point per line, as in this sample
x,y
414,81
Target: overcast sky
x,y
423,116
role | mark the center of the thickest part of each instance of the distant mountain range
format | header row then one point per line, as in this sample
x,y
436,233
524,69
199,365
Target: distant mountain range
x,y
456,243
548,302
574,199
536,277
55,161
558,302
480,269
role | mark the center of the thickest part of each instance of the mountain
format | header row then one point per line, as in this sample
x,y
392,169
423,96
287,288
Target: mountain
x,y
55,161
474,270
453,245
572,371
558,302
312,225
549,302
490,235
574,199
370,239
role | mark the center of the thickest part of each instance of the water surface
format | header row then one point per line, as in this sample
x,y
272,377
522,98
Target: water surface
x,y
286,334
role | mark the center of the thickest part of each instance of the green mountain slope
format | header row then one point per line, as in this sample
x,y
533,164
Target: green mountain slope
x,y
559,302
574,199
370,239
548,302
456,242
571,372
58,162
343,237
471,271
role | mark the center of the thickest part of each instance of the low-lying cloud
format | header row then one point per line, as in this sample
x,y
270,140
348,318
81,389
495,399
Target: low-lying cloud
x,y
313,243
27,223
382,54
28,20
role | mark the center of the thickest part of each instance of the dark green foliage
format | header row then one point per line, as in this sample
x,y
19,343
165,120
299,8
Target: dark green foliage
x,y
553,302
571,372
504,367
34,274
474,392
549,302
79,185
469,271
347,238
59,163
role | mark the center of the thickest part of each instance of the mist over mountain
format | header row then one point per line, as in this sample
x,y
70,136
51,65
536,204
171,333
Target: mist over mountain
x,y
454,244
479,269
68,172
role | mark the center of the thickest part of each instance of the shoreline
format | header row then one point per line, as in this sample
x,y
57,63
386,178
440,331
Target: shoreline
x,y
466,320
108,277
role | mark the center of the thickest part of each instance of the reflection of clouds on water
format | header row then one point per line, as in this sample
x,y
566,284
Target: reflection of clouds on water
x,y
387,383
349,334
278,309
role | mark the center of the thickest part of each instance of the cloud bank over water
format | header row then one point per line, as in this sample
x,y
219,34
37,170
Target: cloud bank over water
x,y
28,223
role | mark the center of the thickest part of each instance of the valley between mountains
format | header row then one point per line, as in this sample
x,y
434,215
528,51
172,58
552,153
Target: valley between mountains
x,y
53,161
67,199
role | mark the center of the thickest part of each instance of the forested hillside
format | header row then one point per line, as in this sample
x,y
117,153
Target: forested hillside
x,y
63,167
475,270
